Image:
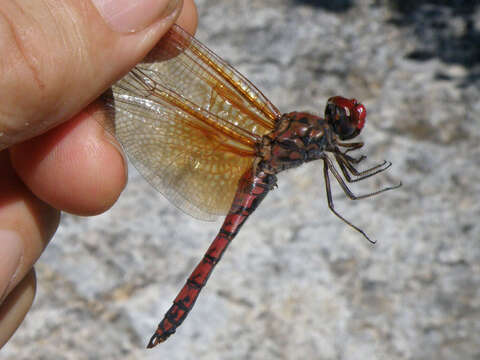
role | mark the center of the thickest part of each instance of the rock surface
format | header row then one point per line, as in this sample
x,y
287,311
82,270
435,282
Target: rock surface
x,y
297,283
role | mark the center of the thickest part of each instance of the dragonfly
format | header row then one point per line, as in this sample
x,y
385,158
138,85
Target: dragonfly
x,y
207,139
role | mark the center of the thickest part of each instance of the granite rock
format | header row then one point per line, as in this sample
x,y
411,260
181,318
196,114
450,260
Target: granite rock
x,y
297,283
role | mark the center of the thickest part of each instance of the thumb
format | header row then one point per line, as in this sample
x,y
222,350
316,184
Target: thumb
x,y
58,56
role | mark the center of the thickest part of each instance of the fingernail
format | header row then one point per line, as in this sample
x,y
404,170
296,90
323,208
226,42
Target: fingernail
x,y
133,15
10,259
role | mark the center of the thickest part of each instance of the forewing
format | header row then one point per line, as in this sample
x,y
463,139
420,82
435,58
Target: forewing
x,y
189,123
186,66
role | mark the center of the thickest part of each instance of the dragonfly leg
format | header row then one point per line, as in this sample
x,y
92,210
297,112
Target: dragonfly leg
x,y
346,189
350,146
346,167
251,191
326,168
353,160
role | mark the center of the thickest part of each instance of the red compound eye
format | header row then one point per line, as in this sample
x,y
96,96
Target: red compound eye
x,y
346,116
359,114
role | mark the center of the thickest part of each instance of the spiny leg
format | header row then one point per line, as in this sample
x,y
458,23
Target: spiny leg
x,y
350,146
347,160
327,162
330,201
345,166
352,159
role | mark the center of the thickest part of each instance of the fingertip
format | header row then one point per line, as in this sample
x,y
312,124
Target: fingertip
x,y
188,18
76,167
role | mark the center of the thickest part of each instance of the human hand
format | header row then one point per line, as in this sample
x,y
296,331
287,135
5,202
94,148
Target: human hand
x,y
57,57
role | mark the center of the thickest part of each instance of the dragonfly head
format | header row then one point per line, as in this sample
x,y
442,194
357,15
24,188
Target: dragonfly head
x,y
346,116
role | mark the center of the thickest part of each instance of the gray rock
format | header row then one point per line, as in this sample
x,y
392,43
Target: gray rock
x,y
297,283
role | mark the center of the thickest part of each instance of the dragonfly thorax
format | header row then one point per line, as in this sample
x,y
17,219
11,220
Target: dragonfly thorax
x,y
299,137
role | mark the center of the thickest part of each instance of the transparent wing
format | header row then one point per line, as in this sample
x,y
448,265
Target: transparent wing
x,y
189,123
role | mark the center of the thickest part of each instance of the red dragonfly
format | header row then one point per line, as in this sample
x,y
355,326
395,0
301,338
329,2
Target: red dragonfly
x,y
211,142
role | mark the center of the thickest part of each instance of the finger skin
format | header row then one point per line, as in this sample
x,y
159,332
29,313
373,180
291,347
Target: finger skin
x,y
77,167
74,167
188,18
57,57
21,212
16,306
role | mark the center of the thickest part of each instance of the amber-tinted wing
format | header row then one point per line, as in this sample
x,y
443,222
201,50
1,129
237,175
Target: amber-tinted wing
x,y
189,123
